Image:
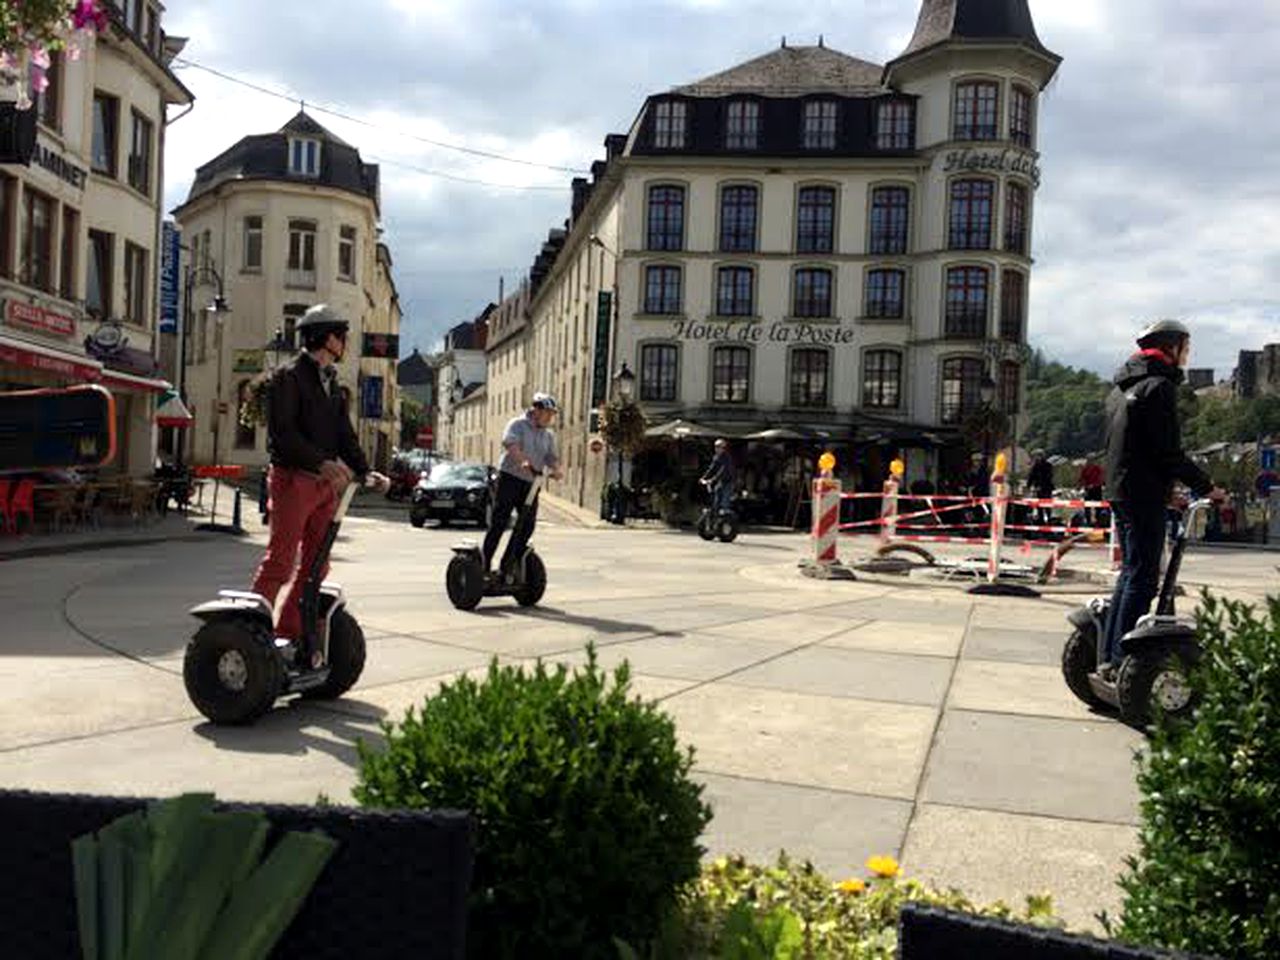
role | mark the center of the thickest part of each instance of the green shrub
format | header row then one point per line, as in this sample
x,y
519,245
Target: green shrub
x,y
742,911
1207,875
588,820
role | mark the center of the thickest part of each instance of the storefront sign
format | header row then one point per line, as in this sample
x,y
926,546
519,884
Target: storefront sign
x,y
246,361
59,166
34,360
991,161
788,332
381,346
169,257
28,317
371,398
600,373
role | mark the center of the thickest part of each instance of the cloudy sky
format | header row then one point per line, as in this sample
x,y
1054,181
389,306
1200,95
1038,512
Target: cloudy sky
x,y
1160,192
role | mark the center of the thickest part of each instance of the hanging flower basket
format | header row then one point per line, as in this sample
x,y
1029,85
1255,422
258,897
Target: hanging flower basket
x,y
30,30
253,408
622,425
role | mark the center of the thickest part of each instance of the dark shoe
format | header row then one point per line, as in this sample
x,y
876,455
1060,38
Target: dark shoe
x,y
1108,671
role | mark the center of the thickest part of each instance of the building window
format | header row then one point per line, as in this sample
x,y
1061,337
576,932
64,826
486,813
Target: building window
x,y
886,294
742,125
669,125
890,219
975,114
37,240
1013,305
132,15
289,330
659,366
1015,225
662,293
666,218
731,375
253,243
971,203
734,292
895,125
1010,386
106,127
812,294
99,275
302,254
347,253
304,158
809,375
70,246
48,103
967,289
135,284
153,30
961,388
8,195
246,434
738,209
1020,116
816,220
882,379
140,155
819,130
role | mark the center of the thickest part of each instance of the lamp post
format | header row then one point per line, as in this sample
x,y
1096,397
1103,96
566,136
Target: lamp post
x,y
276,350
987,389
197,275
624,383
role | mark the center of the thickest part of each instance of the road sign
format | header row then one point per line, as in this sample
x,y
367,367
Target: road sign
x,y
426,436
597,446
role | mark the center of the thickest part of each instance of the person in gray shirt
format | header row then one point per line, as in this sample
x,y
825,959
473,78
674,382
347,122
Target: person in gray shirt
x,y
529,447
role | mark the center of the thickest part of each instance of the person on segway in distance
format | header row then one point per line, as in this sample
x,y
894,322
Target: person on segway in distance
x,y
1144,459
314,455
529,447
719,478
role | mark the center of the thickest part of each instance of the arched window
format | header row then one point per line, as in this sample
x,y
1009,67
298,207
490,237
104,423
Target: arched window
x,y
971,203
815,220
739,212
882,379
976,110
731,375
961,388
810,369
666,218
890,217
812,294
968,293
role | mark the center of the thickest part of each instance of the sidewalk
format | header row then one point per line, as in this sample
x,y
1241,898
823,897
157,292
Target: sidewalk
x,y
174,527
564,511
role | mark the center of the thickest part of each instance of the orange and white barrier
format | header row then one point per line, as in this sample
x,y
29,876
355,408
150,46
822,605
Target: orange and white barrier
x,y
826,521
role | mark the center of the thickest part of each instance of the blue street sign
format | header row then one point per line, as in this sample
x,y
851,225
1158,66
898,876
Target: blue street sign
x,y
371,398
169,270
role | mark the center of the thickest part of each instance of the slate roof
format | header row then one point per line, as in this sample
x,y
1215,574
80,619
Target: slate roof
x,y
943,20
414,370
792,72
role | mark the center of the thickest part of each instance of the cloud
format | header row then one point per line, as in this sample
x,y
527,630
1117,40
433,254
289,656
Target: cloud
x,y
1159,193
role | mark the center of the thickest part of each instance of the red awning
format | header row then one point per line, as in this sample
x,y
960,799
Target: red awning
x,y
128,381
33,356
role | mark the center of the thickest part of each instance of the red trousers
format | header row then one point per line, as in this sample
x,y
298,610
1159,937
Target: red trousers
x,y
301,505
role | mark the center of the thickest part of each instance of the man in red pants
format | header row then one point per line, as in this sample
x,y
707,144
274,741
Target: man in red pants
x,y
314,455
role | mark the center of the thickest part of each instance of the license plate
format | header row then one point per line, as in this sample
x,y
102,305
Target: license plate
x,y
442,504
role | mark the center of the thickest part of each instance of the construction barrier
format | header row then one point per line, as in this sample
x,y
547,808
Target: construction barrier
x,y
826,521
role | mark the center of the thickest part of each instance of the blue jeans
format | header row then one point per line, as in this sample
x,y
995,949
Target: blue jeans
x,y
1141,531
722,497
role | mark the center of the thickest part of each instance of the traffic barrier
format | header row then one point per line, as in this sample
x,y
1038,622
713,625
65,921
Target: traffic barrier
x,y
826,521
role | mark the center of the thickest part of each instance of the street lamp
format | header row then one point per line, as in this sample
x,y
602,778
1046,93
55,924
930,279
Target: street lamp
x,y
987,390
277,348
198,275
624,383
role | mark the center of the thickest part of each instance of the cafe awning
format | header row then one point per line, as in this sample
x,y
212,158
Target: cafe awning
x,y
35,356
683,430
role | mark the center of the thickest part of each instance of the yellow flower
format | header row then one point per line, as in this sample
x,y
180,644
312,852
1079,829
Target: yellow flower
x,y
851,886
884,866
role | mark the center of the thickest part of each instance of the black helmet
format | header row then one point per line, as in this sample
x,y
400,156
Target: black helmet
x,y
318,323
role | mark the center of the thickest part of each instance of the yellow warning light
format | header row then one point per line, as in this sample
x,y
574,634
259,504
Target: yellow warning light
x,y
827,462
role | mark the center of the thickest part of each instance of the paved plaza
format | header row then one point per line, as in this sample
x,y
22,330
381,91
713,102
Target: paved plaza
x,y
835,720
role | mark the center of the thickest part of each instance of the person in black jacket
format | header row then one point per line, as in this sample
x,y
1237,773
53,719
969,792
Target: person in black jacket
x,y
720,477
1144,459
314,455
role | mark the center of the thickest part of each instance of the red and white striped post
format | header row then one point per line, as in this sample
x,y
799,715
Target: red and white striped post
x,y
1114,541
999,507
889,503
826,514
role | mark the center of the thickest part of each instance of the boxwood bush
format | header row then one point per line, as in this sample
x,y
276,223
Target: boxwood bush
x,y
588,820
1207,874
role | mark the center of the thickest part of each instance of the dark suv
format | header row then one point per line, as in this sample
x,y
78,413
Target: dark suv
x,y
453,491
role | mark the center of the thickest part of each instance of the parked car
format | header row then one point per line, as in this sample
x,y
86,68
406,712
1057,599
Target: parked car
x,y
453,492
407,468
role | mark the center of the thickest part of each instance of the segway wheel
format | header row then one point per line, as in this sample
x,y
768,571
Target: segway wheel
x,y
232,672
418,518
464,581
346,658
1156,681
535,581
705,530
1079,659
726,529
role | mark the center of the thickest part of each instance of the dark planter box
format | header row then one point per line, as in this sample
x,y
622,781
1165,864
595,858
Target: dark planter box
x,y
396,886
931,933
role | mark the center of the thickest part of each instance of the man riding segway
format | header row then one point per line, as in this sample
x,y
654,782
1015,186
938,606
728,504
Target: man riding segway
x,y
314,456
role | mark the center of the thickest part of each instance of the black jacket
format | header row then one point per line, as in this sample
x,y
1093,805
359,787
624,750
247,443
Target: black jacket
x,y
1040,478
1144,439
307,425
721,470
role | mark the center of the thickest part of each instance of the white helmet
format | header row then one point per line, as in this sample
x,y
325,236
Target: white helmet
x,y
1168,328
545,401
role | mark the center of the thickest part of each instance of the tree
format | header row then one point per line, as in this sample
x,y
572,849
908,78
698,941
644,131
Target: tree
x,y
413,417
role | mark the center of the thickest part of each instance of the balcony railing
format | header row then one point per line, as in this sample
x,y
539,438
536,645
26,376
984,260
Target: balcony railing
x,y
300,279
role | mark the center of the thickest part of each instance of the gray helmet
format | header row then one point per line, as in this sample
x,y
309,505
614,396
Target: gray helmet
x,y
322,317
1164,329
544,401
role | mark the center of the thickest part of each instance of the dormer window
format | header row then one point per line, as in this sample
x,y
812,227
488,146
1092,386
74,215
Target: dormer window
x,y
742,127
820,125
304,158
895,125
669,121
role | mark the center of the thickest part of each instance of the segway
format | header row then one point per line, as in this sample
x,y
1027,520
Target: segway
x,y
468,582
715,523
236,668
1155,655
